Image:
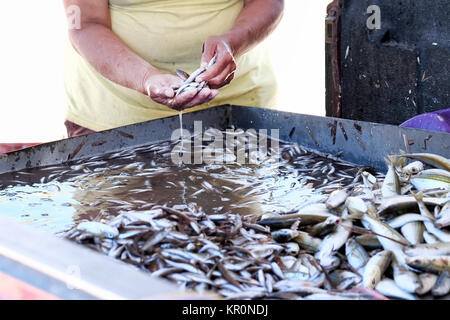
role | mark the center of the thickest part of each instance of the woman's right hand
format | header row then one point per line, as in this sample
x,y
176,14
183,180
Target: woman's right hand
x,y
159,88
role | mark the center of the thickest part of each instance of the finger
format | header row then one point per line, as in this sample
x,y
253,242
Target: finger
x,y
184,98
223,59
177,101
209,49
163,101
219,80
202,97
213,94
225,83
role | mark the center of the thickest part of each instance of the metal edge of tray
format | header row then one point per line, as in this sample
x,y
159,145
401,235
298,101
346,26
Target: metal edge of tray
x,y
70,271
113,140
362,143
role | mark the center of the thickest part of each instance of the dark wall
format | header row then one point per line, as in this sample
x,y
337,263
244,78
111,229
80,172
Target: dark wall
x,y
391,74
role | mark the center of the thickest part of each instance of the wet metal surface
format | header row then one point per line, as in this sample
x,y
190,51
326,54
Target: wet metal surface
x,y
55,198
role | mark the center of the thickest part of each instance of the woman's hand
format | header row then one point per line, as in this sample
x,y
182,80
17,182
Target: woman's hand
x,y
159,88
222,72
255,22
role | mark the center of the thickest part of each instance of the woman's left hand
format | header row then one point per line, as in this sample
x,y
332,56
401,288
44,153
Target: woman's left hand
x,y
222,72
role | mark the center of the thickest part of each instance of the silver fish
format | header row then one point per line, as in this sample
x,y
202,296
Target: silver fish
x,y
434,264
375,268
437,249
336,198
406,218
405,279
413,232
389,288
98,229
442,285
427,280
357,257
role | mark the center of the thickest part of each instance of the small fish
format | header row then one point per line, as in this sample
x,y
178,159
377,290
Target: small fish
x,y
422,207
391,183
345,279
356,207
406,218
431,179
407,202
324,228
389,238
306,216
375,268
333,242
432,159
413,168
429,238
336,198
368,241
427,280
292,248
441,234
154,240
368,180
307,242
357,257
442,285
434,264
284,235
404,278
389,288
413,232
443,218
98,229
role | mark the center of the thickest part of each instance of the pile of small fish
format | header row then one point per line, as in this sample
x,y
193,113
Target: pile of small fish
x,y
378,237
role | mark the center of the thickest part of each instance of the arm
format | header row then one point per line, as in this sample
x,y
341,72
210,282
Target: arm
x,y
108,54
255,22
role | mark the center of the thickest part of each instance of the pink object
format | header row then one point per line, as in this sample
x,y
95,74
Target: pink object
x,y
10,147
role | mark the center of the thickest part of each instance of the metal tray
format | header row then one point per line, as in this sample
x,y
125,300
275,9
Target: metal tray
x,y
47,262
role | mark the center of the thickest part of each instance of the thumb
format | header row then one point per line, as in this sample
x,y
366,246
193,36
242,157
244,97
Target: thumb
x,y
209,49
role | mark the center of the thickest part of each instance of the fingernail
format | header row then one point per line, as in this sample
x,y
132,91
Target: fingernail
x,y
168,93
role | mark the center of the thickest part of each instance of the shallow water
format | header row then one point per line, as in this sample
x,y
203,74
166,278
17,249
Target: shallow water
x,y
55,198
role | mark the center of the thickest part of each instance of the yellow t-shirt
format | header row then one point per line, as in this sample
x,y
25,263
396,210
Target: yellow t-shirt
x,y
168,34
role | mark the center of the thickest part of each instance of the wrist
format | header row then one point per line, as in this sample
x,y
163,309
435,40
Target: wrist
x,y
236,40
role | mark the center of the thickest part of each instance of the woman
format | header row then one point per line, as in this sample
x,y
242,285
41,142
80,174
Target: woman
x,y
121,60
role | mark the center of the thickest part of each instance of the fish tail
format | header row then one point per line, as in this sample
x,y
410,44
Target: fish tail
x,y
388,161
396,160
418,196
